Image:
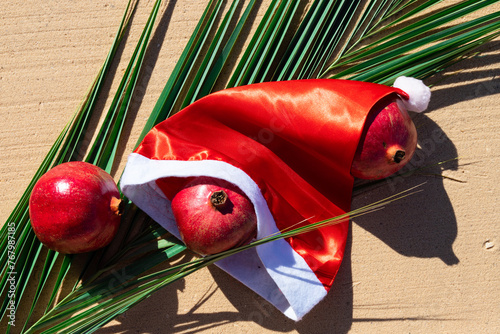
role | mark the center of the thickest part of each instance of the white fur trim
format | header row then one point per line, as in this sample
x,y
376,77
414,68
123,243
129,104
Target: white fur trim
x,y
419,93
273,270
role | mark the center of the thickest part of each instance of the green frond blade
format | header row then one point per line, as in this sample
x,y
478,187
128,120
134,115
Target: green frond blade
x,y
451,46
177,80
247,63
397,53
210,56
273,39
65,266
107,158
50,261
419,28
213,75
82,117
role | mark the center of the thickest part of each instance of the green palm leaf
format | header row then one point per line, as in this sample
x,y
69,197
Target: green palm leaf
x,y
364,40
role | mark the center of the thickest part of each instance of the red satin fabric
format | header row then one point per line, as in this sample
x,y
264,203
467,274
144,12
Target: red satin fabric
x,y
295,139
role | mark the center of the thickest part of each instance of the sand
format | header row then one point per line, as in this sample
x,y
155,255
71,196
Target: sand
x,y
426,264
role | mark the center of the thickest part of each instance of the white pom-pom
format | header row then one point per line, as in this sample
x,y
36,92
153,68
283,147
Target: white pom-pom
x,y
419,93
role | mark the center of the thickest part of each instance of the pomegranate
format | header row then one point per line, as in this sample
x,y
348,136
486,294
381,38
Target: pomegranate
x,y
213,215
387,143
75,208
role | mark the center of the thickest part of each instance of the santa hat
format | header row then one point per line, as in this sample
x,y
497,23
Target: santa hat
x,y
289,146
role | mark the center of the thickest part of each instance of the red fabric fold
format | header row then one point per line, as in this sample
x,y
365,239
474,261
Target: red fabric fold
x,y
295,139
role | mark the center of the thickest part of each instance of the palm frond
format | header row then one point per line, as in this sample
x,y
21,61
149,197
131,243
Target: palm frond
x,y
364,40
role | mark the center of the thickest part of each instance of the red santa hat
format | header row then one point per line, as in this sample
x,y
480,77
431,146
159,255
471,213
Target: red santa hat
x,y
289,146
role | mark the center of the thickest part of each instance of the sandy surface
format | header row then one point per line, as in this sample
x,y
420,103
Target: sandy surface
x,y
428,264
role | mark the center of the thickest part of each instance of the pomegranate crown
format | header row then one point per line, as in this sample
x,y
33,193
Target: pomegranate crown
x,y
419,94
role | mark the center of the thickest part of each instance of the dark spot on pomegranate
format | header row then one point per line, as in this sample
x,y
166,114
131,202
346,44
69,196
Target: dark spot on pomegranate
x,y
399,156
